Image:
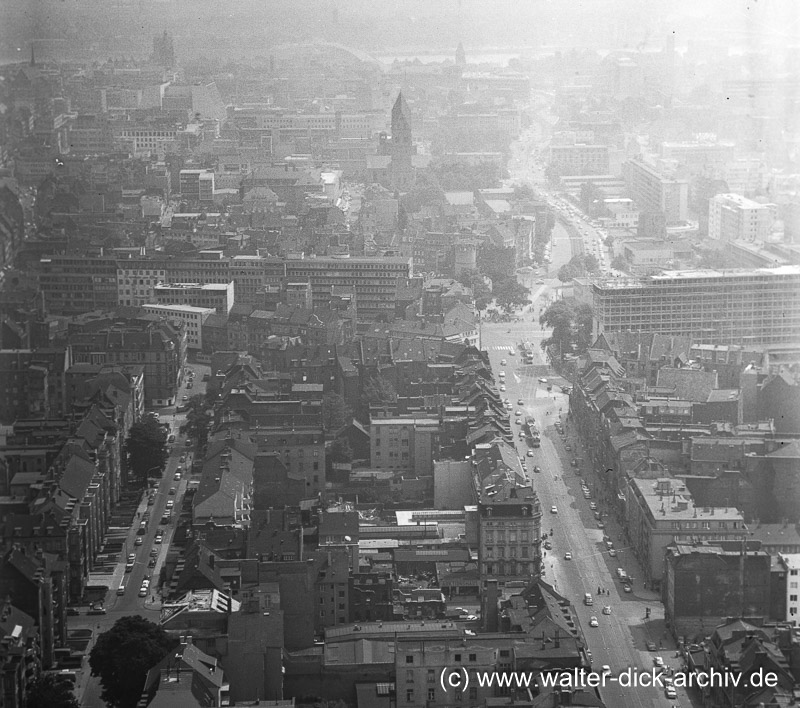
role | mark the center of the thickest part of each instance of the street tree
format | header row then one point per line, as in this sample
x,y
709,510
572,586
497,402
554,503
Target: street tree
x,y
198,419
335,411
146,447
378,390
511,295
51,691
571,322
123,655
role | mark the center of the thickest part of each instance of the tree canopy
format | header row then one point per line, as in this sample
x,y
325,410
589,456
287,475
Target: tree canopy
x,y
198,419
51,691
578,266
571,322
146,447
123,655
510,294
335,411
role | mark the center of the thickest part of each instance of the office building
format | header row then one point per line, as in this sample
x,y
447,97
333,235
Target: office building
x,y
193,319
747,307
72,284
137,279
732,217
216,296
653,191
373,279
197,185
579,159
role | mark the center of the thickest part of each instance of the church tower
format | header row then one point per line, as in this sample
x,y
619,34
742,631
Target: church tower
x,y
461,55
402,146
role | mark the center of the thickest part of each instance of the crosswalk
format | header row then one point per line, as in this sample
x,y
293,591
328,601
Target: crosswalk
x,y
502,348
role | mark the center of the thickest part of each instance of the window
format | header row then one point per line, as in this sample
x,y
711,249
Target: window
x,y
473,657
409,658
457,657
792,598
431,694
431,676
410,675
473,693
410,695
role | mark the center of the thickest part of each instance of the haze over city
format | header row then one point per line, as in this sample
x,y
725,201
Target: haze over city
x,y
413,354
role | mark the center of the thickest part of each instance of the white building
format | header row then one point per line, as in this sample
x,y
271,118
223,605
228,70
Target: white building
x,y
218,296
192,317
790,562
732,217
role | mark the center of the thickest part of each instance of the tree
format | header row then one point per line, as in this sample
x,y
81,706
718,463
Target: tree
x,y
524,192
198,419
571,323
146,447
619,263
379,390
123,655
335,411
480,290
51,691
340,451
511,295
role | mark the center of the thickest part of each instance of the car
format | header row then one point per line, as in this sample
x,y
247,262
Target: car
x,y
612,553
600,525
512,353
170,504
574,463
553,509
142,591
502,374
503,362
568,448
521,402
567,556
502,387
145,582
151,563
627,588
593,622
171,439
548,546
158,539
658,660
471,618
529,453
96,611
537,469
183,458
519,412
151,501
543,380
185,398
138,541
670,692
189,385
171,492
73,612
593,505
189,442
606,669
607,610
131,557
176,477
609,543
651,646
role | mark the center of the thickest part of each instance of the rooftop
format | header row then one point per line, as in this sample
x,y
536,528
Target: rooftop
x,y
668,499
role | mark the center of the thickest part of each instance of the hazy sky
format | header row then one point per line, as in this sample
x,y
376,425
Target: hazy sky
x,y
234,29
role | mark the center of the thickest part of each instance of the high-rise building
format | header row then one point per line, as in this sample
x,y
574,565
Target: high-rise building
x,y
755,306
653,191
732,217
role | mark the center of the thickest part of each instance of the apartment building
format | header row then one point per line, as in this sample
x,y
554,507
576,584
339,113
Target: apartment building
x,y
373,279
216,296
146,139
72,284
579,159
251,275
654,191
509,516
746,307
732,217
661,512
193,319
404,444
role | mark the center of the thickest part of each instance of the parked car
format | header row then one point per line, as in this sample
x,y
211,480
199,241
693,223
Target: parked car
x,y
607,610
554,509
593,622
651,646
567,556
73,612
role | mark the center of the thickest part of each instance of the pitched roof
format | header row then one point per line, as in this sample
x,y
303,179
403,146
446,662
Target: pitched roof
x,y
692,385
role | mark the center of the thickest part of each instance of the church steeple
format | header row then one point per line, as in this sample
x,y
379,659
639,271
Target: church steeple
x,y
461,55
401,129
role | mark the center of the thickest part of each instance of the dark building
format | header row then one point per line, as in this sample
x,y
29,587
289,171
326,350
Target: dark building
x,y
706,582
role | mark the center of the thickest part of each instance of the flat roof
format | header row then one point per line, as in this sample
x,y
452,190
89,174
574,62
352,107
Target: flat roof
x,y
671,502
